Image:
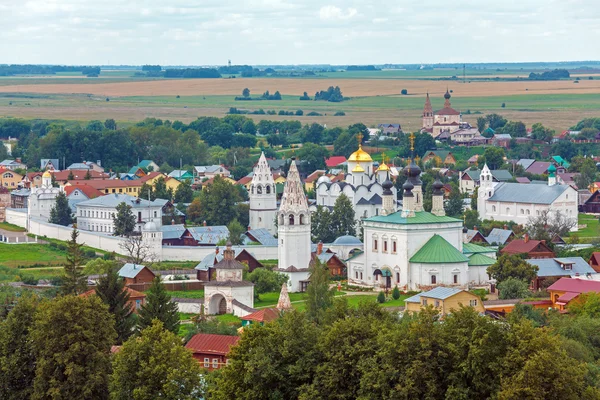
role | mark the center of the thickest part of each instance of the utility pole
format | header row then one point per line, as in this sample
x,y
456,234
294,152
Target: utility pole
x,y
464,73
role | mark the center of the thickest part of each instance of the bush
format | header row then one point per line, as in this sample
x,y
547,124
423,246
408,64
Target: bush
x,y
29,279
404,92
396,293
89,253
56,281
62,247
503,105
381,298
339,114
299,112
314,114
109,256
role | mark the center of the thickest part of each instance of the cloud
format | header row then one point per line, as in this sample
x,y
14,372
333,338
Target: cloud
x,y
333,13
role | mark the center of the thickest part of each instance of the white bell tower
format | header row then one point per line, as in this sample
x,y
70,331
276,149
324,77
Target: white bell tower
x,y
263,197
294,248
485,191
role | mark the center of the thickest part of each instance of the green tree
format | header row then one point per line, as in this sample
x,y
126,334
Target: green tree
x,y
60,213
135,368
123,220
161,191
344,145
342,217
266,280
513,288
495,121
319,297
321,226
111,290
512,266
246,92
454,206
218,201
236,230
110,124
194,211
381,297
314,155
72,337
74,281
147,192
587,304
472,219
249,127
158,306
493,157
481,123
539,132
514,129
17,359
396,293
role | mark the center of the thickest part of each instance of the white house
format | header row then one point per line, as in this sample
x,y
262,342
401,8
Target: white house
x,y
506,201
97,214
470,178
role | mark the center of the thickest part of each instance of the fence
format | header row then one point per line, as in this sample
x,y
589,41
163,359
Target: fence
x,y
171,286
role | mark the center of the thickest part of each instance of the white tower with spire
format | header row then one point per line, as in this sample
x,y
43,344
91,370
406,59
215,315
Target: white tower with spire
x,y
485,191
294,247
263,197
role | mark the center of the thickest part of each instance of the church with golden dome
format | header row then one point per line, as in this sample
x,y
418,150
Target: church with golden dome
x,y
362,184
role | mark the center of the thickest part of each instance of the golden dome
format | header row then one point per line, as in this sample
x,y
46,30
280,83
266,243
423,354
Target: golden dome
x,y
358,168
360,155
383,167
47,174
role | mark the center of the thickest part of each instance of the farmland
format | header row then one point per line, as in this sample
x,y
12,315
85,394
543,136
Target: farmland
x,y
374,96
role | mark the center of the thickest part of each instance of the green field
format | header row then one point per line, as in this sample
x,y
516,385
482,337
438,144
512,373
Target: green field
x,y
187,294
10,227
15,255
591,231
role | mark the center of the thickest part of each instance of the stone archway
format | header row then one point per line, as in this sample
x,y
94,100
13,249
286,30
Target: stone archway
x,y
217,304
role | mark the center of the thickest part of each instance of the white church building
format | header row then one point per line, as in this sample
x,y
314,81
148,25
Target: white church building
x,y
517,202
362,185
263,197
415,249
42,199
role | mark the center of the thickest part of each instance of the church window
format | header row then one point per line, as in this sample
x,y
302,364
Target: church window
x,y
374,244
522,211
527,212
490,194
155,215
291,218
537,212
268,189
356,274
259,219
455,277
433,279
252,189
259,189
493,208
397,277
301,219
361,276
385,246
281,220
394,245
507,211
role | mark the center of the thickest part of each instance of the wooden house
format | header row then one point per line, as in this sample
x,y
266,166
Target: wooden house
x,y
444,299
135,273
563,291
533,248
442,157
211,350
592,204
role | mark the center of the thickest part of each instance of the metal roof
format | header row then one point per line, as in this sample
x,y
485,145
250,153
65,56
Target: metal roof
x,y
114,199
575,285
499,236
348,240
518,193
552,266
421,217
440,293
470,248
478,259
213,258
209,234
130,270
437,250
262,236
172,231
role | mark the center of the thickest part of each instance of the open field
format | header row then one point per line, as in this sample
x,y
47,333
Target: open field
x,y
14,255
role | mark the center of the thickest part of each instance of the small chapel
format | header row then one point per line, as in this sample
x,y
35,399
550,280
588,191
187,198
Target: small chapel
x,y
415,249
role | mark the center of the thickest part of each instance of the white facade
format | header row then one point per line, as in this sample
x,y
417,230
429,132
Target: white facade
x,y
97,214
263,197
42,199
520,202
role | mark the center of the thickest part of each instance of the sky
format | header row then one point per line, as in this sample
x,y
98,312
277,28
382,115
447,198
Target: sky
x,y
268,32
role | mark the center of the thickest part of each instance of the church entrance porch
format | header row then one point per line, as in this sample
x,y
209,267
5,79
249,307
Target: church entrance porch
x,y
217,305
383,277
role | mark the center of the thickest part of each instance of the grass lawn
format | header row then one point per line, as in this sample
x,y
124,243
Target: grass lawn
x,y
229,319
16,255
184,329
592,226
10,227
185,316
271,299
354,301
187,294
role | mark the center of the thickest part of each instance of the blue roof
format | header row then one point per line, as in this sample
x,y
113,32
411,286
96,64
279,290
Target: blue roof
x,y
348,240
439,292
209,234
78,166
130,270
499,236
262,236
554,266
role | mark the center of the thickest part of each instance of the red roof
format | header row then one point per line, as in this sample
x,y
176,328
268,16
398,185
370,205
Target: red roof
x,y
334,161
132,293
244,180
89,191
575,285
339,177
263,315
314,176
447,111
154,174
206,343
78,174
538,167
519,246
595,259
567,297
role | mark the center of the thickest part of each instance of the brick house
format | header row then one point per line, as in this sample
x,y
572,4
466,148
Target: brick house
x,y
533,248
211,350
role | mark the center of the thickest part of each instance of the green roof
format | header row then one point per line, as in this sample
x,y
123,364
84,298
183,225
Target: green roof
x,y
470,248
421,217
144,163
438,251
480,259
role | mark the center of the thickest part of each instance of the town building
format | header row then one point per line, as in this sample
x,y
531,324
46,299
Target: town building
x,y
110,186
49,164
229,293
181,175
595,261
533,248
9,178
445,300
97,214
19,198
148,166
135,273
211,350
500,237
389,129
565,290
263,197
206,268
41,200
446,119
439,157
362,185
506,201
209,171
471,179
553,268
78,193
12,164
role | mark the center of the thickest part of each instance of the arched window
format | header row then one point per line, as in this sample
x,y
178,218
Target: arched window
x,y
268,189
490,194
527,212
522,211
493,208
507,211
252,189
259,189
291,218
301,219
281,220
433,279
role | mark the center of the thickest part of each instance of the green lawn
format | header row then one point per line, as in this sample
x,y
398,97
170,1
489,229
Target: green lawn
x,y
592,226
187,294
185,316
354,301
229,319
16,255
10,227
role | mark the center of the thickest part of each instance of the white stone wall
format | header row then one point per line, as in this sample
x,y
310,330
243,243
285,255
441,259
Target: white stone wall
x,y
244,294
17,217
294,279
420,275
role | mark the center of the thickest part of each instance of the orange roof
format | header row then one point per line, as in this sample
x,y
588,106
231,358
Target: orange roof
x,y
78,174
89,191
263,315
206,343
334,161
314,176
132,293
245,180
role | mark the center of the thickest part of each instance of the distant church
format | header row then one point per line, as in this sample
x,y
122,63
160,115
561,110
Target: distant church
x,y
446,120
263,197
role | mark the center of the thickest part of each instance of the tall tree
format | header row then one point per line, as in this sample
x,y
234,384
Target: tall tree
x,y
493,157
158,306
111,290
74,281
342,217
155,349
321,226
218,202
138,250
319,297
161,191
454,206
60,213
266,280
235,232
124,220
72,337
17,359
512,266
314,155
513,288
184,193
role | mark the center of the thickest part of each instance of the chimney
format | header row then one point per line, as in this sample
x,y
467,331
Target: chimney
x,y
543,241
475,227
99,162
172,221
249,227
320,248
505,227
526,238
217,250
204,223
18,159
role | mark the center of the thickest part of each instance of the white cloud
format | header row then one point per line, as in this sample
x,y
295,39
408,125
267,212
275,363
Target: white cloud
x,y
333,13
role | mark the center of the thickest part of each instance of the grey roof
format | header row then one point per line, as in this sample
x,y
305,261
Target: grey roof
x,y
202,169
325,257
499,236
130,270
440,293
178,173
211,259
20,192
114,199
552,266
44,162
471,234
172,231
348,240
499,174
518,193
262,236
525,162
209,234
276,164
502,136
78,166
